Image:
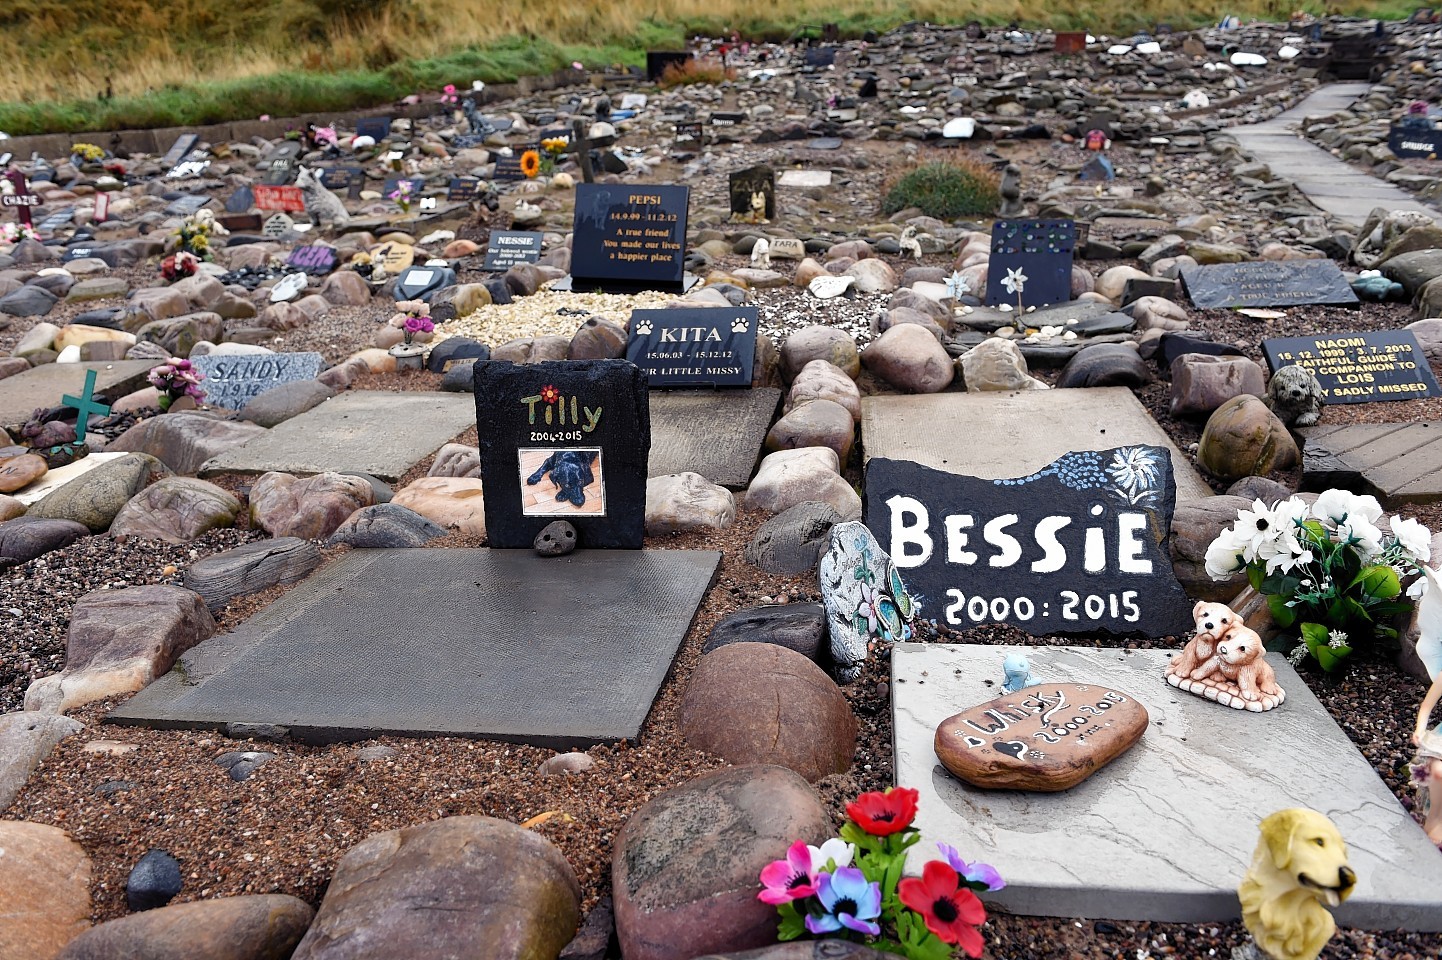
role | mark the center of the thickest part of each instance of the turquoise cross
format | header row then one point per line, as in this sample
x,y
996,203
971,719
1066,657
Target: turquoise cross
x,y
85,404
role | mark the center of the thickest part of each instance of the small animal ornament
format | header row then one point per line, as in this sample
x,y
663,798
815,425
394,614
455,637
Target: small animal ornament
x,y
324,206
1018,673
761,254
1300,865
1226,662
758,207
1213,621
206,220
1295,396
909,244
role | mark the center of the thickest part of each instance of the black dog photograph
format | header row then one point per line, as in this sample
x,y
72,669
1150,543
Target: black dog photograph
x,y
562,483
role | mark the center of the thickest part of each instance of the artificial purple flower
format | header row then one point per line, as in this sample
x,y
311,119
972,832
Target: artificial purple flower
x,y
976,875
850,902
413,325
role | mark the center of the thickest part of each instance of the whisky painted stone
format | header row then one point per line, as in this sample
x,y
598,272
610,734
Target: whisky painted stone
x,y
1077,547
564,440
1044,738
700,347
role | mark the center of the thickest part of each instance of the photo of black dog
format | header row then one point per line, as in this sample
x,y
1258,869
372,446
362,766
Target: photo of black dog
x,y
570,471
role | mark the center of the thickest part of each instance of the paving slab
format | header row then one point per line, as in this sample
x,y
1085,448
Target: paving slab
x,y
1331,184
717,434
560,652
1395,462
43,386
371,431
1166,831
997,436
60,476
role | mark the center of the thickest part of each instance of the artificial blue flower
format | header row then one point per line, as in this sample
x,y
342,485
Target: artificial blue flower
x,y
972,873
849,901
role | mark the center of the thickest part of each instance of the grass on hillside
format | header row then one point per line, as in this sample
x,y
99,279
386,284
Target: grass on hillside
x,y
105,64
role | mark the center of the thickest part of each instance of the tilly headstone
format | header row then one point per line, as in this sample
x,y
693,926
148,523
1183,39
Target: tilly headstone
x,y
1036,255
1077,547
563,440
694,347
508,248
1359,367
629,238
233,381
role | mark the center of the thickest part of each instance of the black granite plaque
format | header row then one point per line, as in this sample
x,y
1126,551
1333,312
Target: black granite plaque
x,y
463,189
508,168
378,128
417,185
563,440
746,184
187,205
694,347
241,200
1077,547
315,259
232,381
179,149
1280,283
279,165
1359,367
629,237
692,134
350,179
1407,141
1036,256
507,248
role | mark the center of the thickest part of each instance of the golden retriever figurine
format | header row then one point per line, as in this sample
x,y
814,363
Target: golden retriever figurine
x,y
1300,864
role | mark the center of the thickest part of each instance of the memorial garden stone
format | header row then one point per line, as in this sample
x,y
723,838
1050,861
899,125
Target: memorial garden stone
x,y
1361,367
563,440
796,626
1036,256
507,248
422,283
865,598
233,381
707,346
1283,283
749,184
629,238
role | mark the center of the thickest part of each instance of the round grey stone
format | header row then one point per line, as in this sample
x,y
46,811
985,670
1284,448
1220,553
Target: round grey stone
x,y
556,539
791,542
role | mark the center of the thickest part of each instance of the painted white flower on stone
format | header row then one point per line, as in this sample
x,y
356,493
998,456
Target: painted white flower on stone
x,y
1015,281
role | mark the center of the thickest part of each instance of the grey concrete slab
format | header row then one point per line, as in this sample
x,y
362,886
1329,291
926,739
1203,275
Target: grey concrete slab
x,y
998,436
43,386
371,431
716,433
1165,831
1332,185
560,652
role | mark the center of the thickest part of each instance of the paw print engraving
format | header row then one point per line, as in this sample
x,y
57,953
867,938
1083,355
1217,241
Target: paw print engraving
x,y
740,325
643,328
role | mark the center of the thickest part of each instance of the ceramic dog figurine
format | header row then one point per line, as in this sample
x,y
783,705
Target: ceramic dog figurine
x,y
1214,621
1295,396
1299,866
570,471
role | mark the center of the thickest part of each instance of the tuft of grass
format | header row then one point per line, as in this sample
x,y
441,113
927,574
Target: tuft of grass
x,y
946,190
694,71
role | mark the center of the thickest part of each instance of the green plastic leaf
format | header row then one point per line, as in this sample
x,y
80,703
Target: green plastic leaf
x,y
1379,581
1315,635
793,924
1255,575
1281,613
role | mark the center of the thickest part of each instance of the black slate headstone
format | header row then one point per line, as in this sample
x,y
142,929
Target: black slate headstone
x,y
233,381
241,200
695,347
315,259
507,248
745,184
417,185
1407,141
1042,251
658,60
350,179
1077,547
1359,367
1173,345
563,440
377,128
1271,283
187,205
279,165
629,238
463,189
421,283
508,168
691,134
179,150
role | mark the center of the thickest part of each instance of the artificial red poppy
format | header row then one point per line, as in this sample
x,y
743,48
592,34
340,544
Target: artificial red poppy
x,y
882,814
550,394
950,910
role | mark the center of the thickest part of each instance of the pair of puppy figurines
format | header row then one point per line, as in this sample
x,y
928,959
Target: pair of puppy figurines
x,y
1226,649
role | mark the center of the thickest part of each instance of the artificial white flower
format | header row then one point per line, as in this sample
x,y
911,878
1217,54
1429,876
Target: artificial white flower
x,y
836,850
1290,513
1288,553
1362,533
1224,556
1337,506
1014,281
1413,537
1336,639
1418,587
1257,527
1297,655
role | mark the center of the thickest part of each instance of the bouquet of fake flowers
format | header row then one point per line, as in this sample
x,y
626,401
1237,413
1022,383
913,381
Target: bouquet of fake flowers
x,y
179,266
176,378
15,232
87,152
1329,569
414,318
852,886
402,195
194,236
551,150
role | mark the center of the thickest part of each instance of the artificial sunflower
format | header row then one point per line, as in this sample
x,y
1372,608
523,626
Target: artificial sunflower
x,y
530,164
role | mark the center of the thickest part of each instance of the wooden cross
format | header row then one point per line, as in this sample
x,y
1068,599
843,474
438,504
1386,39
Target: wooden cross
x,y
22,199
85,405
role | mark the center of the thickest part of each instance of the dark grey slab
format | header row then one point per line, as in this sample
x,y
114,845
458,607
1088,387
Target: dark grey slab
x,y
717,434
1267,283
371,431
499,644
45,385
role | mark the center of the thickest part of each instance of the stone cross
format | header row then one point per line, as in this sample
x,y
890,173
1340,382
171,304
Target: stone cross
x,y
85,405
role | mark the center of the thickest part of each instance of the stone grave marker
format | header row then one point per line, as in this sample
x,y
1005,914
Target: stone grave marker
x,y
287,199
508,168
1179,810
726,118
233,381
240,222
179,150
691,135
1359,367
370,431
102,208
1281,283
629,238
421,283
187,205
1041,251
1076,547
818,57
503,645
43,386
394,257
805,178
694,347
1419,142
507,248
377,128
785,248
564,440
463,189
187,169
350,179
1070,43
717,434
746,184
316,259
85,405
55,221
277,225
279,164
658,60
241,200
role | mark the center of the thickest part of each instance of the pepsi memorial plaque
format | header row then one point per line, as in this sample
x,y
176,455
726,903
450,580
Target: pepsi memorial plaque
x,y
629,238
1077,547
699,347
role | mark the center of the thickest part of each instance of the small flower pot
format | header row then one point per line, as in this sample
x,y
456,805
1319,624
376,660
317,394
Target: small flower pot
x,y
409,357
